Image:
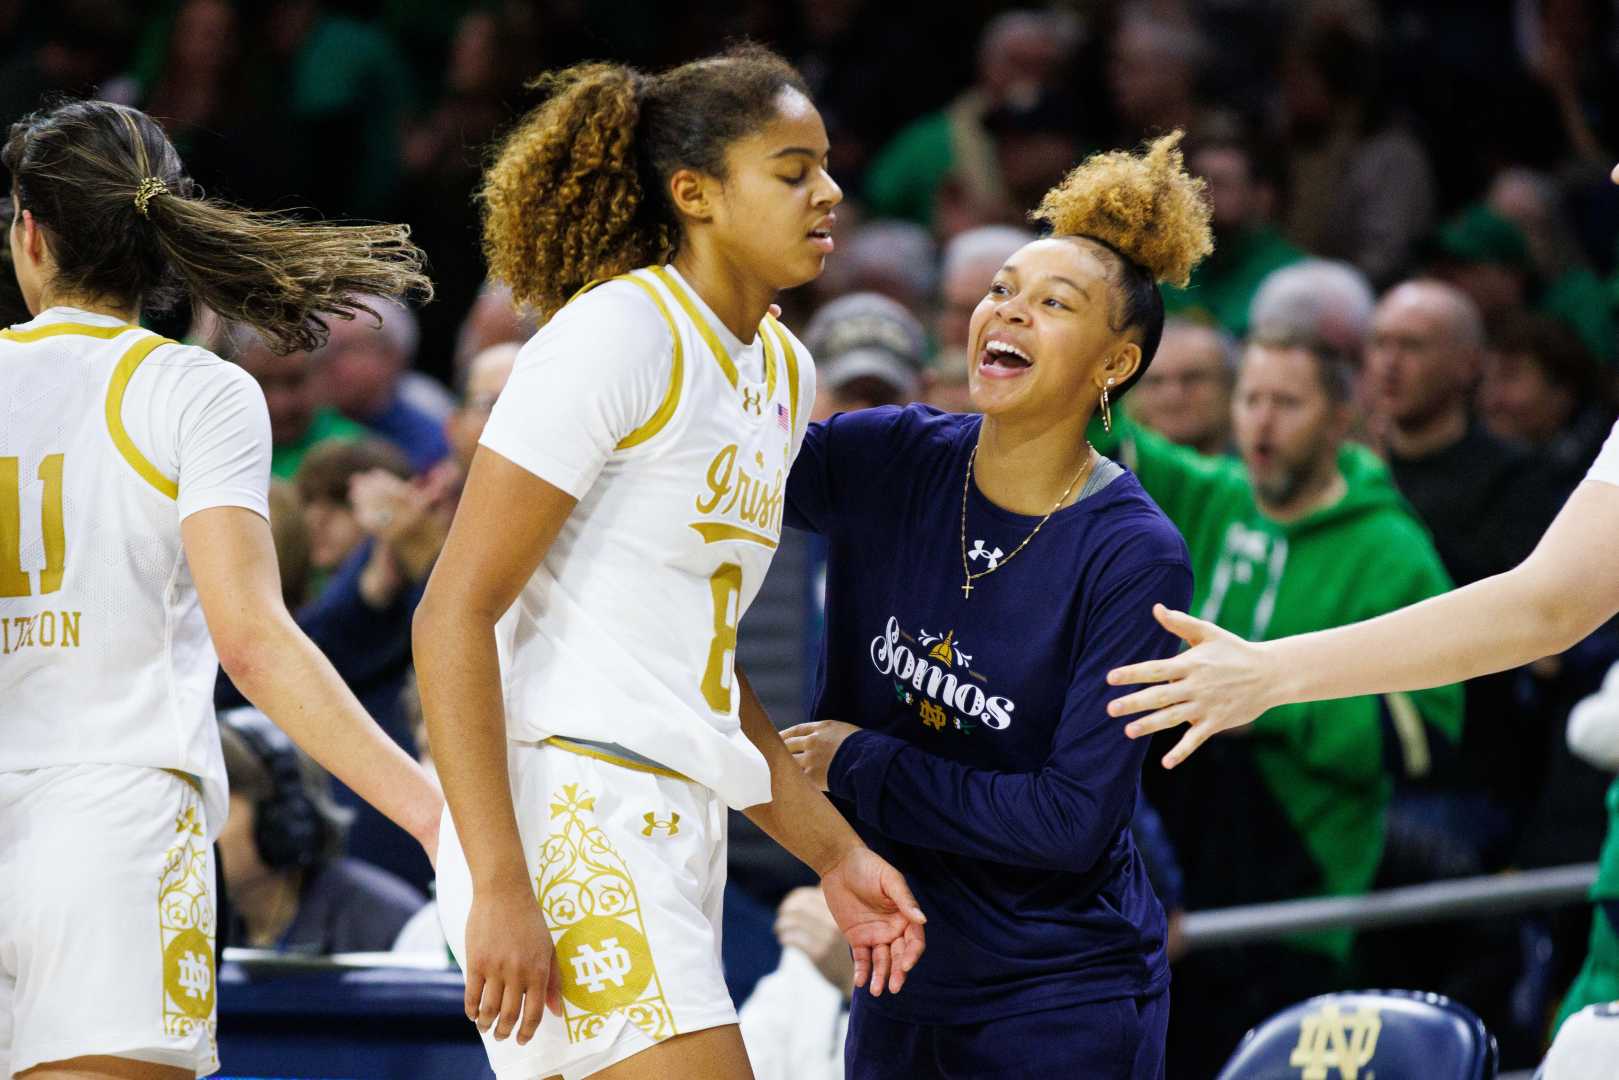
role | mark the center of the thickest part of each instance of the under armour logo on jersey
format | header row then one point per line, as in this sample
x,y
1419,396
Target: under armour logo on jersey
x,y
753,401
594,970
993,557
670,827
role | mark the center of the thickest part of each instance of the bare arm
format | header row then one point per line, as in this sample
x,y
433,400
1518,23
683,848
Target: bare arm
x,y
798,816
1564,590
278,669
507,521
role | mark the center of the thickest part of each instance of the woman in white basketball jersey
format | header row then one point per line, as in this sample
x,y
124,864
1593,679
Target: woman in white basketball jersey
x,y
576,643
135,558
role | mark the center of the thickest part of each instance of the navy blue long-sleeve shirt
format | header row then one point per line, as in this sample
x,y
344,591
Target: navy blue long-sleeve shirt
x,y
988,770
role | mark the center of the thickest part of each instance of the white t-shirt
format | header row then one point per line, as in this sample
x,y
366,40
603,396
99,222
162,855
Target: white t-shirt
x,y
109,437
676,438
1606,466
795,1022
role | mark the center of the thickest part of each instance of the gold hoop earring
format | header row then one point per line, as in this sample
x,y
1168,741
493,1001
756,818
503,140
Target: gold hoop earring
x,y
1107,410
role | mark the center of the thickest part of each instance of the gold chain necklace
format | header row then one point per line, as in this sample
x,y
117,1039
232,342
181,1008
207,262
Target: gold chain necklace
x,y
966,481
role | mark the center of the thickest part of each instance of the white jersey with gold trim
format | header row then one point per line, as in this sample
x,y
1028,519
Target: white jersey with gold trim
x,y
676,438
109,436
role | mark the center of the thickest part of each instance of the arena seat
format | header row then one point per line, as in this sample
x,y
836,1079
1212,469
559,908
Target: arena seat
x,y
1357,1035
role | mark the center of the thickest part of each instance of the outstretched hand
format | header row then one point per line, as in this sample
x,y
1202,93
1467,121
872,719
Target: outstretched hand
x,y
1221,682
874,908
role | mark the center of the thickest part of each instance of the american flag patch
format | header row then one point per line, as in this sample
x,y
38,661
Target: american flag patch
x,y
781,417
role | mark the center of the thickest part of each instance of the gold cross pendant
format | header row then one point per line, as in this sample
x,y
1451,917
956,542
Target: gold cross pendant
x,y
967,591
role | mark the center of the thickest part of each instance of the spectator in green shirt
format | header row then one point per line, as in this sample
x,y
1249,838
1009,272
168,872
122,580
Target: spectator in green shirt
x,y
298,421
1490,258
347,85
1247,246
1020,54
1186,395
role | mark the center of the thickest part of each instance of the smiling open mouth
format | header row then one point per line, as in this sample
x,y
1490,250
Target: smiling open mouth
x,y
1004,357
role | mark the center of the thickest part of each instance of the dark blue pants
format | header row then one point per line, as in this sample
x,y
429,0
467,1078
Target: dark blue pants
x,y
1121,1039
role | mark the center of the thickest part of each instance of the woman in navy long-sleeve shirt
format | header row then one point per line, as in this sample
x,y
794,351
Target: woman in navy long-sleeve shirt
x,y
984,574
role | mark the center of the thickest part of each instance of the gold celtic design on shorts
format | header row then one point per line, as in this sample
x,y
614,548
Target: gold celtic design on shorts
x,y
593,911
186,919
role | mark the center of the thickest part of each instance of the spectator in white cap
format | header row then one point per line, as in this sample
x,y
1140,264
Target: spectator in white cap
x,y
869,351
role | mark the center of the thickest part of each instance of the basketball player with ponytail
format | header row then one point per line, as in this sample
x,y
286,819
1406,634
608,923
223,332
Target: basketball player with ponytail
x,y
576,643
984,574
135,558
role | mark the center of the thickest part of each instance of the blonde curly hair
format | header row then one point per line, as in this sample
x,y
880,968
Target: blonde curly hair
x,y
1144,206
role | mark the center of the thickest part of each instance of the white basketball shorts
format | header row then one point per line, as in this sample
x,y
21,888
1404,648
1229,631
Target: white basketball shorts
x,y
106,918
628,866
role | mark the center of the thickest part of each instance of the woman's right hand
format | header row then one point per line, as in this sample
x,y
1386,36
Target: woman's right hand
x,y
1221,682
511,965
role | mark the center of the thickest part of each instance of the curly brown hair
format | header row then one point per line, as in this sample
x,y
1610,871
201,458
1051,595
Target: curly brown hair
x,y
125,224
1149,215
577,191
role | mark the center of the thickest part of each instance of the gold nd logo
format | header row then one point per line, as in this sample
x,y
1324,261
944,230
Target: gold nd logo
x,y
932,715
752,401
188,974
605,964
1331,1040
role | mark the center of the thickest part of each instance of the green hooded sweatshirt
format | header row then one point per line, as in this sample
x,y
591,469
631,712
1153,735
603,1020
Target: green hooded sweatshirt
x,y
1598,980
1325,767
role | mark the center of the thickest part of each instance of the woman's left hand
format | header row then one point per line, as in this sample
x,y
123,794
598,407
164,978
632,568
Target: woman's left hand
x,y
813,746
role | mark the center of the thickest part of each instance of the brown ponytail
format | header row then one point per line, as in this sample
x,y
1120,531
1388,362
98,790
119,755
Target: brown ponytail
x,y
124,223
578,190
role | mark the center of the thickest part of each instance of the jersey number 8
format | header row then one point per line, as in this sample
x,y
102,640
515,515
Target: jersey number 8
x,y
720,674
13,578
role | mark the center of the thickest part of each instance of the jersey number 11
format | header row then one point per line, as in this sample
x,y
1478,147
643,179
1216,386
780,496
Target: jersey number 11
x,y
13,578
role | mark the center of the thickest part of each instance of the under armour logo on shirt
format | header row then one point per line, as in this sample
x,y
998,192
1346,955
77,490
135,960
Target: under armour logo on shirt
x,y
993,557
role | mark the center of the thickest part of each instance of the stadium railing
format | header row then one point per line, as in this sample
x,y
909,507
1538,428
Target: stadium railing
x,y
390,1014
1439,901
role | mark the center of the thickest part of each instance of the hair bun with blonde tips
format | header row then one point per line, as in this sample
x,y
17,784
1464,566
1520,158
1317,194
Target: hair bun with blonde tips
x,y
1142,205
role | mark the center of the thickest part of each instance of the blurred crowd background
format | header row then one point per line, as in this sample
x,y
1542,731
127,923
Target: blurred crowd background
x,y
1413,197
